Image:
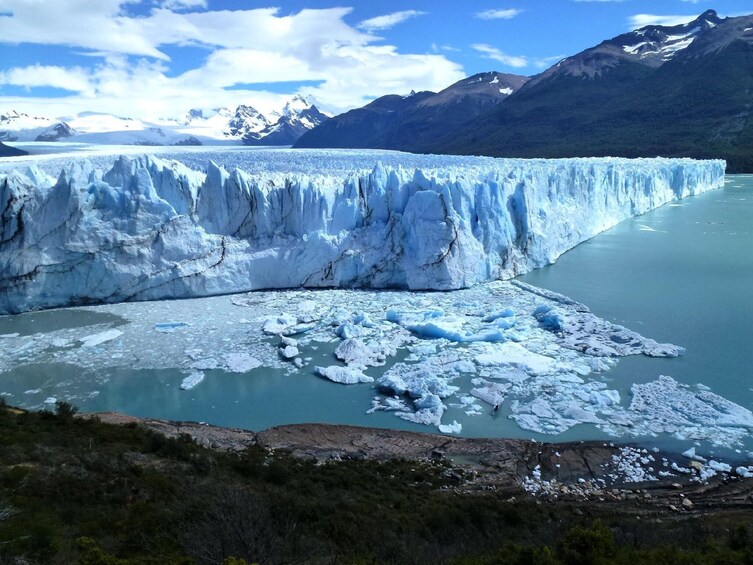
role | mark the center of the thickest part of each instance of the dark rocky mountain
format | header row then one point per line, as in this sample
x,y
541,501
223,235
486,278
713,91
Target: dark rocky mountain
x,y
412,122
298,117
672,91
8,151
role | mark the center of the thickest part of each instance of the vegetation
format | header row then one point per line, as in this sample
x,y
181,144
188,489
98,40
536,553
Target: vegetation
x,y
75,490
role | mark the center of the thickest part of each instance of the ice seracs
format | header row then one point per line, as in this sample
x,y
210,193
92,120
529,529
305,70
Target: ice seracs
x,y
152,229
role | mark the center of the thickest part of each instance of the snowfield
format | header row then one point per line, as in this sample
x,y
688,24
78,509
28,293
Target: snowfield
x,y
149,228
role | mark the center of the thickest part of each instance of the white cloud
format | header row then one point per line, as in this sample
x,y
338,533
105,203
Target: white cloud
x,y
389,20
643,20
495,54
498,14
96,25
437,48
183,4
243,48
546,62
73,79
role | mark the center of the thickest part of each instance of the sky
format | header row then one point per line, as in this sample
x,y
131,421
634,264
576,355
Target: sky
x,y
156,59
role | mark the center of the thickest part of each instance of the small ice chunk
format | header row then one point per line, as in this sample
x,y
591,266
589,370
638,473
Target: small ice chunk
x,y
387,404
343,375
241,362
493,393
278,325
348,330
454,428
550,318
192,380
719,467
353,352
745,472
515,355
288,341
170,327
100,338
691,454
289,352
5,336
506,313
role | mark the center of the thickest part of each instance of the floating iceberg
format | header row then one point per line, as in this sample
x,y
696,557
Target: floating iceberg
x,y
153,229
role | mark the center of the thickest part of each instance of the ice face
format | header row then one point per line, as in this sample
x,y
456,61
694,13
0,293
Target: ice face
x,y
152,229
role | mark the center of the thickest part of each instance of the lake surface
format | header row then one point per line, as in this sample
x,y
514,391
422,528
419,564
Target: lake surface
x,y
680,274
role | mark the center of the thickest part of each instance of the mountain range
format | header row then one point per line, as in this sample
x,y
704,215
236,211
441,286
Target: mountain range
x,y
684,90
407,122
199,127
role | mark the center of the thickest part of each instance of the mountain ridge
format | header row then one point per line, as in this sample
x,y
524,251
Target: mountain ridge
x,y
672,91
401,122
198,127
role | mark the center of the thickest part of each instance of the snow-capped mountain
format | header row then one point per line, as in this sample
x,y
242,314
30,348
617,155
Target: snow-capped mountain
x,y
299,116
660,90
246,120
198,127
15,126
649,46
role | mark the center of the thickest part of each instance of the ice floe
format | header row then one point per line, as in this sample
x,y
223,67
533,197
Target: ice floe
x,y
192,380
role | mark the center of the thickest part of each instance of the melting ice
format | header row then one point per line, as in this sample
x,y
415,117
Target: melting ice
x,y
475,348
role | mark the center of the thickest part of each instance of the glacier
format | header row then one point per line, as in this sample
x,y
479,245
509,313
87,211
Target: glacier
x,y
149,228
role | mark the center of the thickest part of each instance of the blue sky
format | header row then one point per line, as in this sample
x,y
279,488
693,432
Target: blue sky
x,y
158,58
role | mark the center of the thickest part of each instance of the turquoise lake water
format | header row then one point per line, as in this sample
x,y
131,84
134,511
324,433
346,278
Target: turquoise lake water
x,y
681,274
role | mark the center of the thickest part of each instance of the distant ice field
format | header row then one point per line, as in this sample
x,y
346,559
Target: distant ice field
x,y
53,157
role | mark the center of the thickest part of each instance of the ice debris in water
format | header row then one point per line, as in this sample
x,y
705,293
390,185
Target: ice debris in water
x,y
192,380
454,428
666,406
100,338
343,375
169,327
241,362
547,381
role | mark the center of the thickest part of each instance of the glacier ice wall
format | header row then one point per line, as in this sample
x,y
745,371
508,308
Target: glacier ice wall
x,y
153,229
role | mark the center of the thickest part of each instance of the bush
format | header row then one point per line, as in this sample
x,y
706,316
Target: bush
x,y
587,546
65,410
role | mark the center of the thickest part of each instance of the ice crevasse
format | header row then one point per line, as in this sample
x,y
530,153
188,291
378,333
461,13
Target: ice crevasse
x,y
152,229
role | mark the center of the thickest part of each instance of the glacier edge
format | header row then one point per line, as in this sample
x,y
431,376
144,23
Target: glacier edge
x,y
151,229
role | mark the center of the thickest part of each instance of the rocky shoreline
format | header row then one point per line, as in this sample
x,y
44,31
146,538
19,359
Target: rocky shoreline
x,y
582,472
